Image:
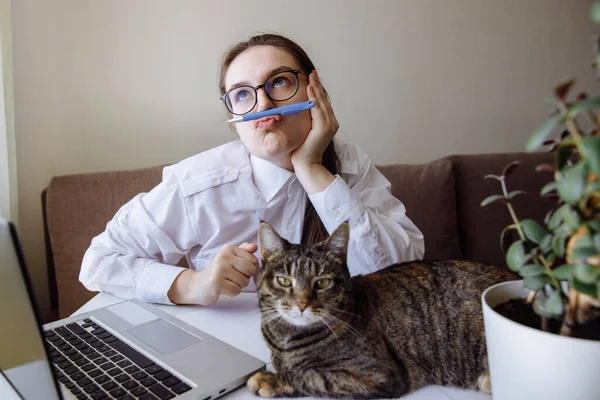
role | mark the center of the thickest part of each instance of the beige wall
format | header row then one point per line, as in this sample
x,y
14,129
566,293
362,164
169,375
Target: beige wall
x,y
116,84
8,162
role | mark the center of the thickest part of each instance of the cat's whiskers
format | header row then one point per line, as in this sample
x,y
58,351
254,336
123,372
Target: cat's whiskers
x,y
344,312
268,314
346,326
322,319
265,309
270,318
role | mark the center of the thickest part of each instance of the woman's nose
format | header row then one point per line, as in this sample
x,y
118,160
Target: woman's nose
x,y
263,101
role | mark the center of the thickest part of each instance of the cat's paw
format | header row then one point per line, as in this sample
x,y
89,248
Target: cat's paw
x,y
267,384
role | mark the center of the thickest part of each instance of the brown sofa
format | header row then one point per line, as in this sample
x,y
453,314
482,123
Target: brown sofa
x,y
442,197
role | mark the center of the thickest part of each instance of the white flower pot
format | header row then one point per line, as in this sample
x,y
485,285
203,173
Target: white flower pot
x,y
529,364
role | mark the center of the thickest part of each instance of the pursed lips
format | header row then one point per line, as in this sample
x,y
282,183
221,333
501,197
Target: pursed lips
x,y
266,122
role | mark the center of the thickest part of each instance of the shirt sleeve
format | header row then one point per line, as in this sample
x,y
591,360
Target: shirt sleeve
x,y
381,234
135,256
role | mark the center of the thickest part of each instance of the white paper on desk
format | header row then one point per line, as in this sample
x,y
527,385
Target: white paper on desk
x,y
235,321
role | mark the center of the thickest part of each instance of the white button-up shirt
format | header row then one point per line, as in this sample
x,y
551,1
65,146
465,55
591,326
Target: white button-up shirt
x,y
219,197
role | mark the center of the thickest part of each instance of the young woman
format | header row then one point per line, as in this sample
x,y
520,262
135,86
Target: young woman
x,y
287,171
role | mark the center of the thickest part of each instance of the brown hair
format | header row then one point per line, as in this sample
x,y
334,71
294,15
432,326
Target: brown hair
x,y
314,230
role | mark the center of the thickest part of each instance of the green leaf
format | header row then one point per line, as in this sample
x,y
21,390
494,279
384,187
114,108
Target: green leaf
x,y
558,241
595,12
554,305
596,241
586,288
583,253
570,217
491,199
515,193
548,188
592,187
591,151
586,273
556,219
547,218
594,225
566,214
508,228
542,132
532,270
563,153
496,177
583,248
564,272
571,187
550,306
537,282
515,256
594,102
533,231
546,243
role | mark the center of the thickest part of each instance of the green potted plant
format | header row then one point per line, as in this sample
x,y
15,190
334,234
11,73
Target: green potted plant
x,y
543,332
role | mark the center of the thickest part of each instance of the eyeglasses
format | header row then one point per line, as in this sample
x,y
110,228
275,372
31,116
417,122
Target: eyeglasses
x,y
280,86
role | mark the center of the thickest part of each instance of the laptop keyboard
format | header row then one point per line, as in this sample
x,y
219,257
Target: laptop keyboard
x,y
94,364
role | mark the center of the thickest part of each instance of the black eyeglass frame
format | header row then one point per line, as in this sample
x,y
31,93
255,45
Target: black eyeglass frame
x,y
255,88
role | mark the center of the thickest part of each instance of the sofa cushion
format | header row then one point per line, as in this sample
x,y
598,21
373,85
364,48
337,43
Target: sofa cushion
x,y
427,191
479,227
78,207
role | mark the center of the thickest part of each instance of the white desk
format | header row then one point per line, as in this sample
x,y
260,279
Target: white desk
x,y
236,321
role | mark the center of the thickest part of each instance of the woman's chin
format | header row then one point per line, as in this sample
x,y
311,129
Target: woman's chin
x,y
274,145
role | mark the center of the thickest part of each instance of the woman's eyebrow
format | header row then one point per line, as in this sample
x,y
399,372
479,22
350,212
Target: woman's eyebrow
x,y
272,72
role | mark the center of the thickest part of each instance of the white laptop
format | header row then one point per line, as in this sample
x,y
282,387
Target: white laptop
x,y
130,350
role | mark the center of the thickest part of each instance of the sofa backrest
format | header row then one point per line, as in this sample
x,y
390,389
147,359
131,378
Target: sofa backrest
x,y
428,193
78,207
442,198
479,228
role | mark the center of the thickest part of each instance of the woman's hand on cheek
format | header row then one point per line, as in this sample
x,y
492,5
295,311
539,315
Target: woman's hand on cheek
x,y
324,126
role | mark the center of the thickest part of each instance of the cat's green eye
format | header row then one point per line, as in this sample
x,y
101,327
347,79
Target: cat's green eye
x,y
285,282
323,283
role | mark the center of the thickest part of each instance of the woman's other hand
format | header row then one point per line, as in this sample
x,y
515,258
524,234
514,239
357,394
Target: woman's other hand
x,y
227,274
324,126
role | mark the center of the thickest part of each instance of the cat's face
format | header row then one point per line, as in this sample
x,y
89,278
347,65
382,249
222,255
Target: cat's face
x,y
303,284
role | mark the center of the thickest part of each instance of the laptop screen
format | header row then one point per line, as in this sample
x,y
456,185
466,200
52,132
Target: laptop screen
x,y
23,359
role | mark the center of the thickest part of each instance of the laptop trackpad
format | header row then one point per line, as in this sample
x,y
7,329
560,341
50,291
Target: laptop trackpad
x,y
164,337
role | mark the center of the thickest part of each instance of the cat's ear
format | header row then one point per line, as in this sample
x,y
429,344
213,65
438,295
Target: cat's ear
x,y
338,241
270,242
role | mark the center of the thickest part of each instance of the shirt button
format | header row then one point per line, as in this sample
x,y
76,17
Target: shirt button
x,y
124,216
231,174
336,213
394,215
291,227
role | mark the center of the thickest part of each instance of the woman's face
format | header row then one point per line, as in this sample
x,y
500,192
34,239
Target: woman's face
x,y
271,138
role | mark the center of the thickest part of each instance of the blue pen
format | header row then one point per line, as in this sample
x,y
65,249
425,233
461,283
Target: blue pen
x,y
285,111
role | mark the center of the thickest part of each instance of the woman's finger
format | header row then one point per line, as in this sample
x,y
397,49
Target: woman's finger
x,y
321,97
230,289
241,252
245,267
235,276
316,113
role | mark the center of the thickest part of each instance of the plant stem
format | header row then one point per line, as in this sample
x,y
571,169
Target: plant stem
x,y
511,210
517,223
571,125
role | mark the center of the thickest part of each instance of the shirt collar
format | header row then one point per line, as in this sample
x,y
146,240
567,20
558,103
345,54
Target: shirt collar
x,y
268,177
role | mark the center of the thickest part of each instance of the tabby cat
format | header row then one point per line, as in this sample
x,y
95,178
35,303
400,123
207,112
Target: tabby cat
x,y
384,334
